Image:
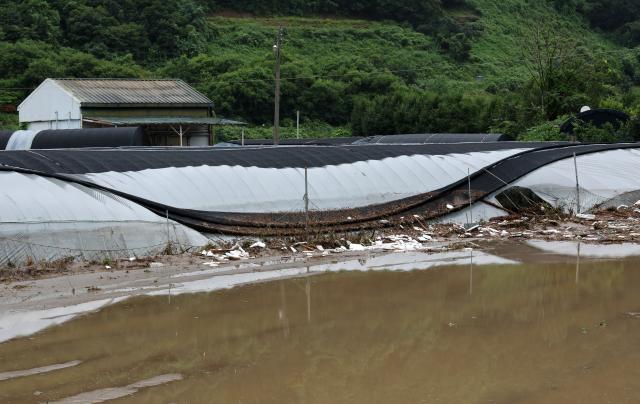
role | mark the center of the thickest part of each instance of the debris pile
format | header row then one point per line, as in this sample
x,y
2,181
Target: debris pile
x,y
621,224
235,253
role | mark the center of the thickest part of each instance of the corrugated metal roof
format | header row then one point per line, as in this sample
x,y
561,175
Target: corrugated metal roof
x,y
133,92
163,120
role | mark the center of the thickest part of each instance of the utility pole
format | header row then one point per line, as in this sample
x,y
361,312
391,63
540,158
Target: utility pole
x,y
298,124
276,115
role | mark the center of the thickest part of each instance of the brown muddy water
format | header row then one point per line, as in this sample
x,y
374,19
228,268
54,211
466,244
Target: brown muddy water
x,y
553,329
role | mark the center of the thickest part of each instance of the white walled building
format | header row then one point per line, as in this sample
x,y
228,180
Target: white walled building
x,y
51,106
170,111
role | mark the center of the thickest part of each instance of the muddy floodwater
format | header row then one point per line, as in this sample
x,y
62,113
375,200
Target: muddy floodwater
x,y
549,327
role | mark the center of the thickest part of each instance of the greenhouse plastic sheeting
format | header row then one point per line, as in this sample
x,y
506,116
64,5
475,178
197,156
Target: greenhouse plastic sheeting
x,y
259,191
255,189
601,176
44,218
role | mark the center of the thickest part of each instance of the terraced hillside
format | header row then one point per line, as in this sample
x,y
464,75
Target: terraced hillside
x,y
470,73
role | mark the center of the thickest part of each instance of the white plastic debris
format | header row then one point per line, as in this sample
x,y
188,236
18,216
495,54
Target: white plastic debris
x,y
293,250
236,255
586,216
319,248
492,232
107,267
449,206
356,247
210,254
132,259
258,244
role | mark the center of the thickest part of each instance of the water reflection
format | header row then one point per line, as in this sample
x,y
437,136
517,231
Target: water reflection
x,y
471,334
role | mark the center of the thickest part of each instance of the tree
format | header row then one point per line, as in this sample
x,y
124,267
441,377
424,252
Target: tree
x,y
29,19
545,53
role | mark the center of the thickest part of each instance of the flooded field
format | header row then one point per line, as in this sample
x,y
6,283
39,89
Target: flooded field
x,y
515,325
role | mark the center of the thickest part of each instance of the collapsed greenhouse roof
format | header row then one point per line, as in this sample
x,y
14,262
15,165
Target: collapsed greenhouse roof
x,y
259,191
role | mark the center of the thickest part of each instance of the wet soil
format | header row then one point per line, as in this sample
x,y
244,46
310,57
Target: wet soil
x,y
531,322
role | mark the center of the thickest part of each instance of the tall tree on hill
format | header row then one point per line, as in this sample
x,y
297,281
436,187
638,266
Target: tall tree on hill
x,y
545,52
563,75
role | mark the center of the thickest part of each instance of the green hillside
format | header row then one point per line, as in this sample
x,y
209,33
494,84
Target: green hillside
x,y
457,67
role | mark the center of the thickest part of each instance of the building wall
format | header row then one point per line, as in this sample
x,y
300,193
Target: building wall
x,y
50,107
43,125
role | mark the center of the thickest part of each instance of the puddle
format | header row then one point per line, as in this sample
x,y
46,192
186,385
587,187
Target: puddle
x,y
112,393
574,248
23,323
30,372
470,329
409,261
15,324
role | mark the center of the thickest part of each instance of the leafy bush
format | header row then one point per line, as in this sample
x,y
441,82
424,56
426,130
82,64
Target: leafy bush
x,y
543,132
591,134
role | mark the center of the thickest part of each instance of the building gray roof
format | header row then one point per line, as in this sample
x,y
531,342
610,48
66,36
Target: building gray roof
x,y
134,92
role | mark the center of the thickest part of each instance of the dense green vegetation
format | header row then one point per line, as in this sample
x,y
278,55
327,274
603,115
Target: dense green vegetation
x,y
620,17
361,67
